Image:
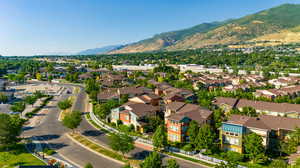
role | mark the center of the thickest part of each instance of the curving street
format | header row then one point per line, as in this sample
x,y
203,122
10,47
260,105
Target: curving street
x,y
51,132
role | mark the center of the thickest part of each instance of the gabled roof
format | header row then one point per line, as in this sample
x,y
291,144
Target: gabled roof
x,y
140,109
192,111
265,122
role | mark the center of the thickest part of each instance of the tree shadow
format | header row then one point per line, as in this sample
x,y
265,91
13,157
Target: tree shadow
x,y
54,146
39,114
47,137
141,155
92,133
26,128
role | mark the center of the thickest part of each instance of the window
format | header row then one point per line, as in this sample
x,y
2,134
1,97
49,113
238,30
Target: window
x,y
230,140
173,137
174,128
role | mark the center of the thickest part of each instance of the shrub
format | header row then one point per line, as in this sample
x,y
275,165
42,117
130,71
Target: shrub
x,y
49,151
187,147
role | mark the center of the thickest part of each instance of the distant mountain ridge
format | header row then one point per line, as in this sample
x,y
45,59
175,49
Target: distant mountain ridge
x,y
101,50
276,25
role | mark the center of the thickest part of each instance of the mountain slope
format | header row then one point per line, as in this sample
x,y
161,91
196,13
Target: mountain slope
x,y
279,20
163,40
101,50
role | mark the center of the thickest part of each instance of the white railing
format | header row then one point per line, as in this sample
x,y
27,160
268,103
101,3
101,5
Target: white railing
x,y
191,154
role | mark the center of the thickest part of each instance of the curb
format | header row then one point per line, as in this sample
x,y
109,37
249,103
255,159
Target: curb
x,y
195,163
99,154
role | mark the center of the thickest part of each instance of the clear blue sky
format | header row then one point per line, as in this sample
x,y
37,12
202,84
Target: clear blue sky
x,y
29,27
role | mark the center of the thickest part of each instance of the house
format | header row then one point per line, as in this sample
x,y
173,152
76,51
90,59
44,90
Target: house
x,y
146,99
133,91
159,90
135,114
262,107
175,94
178,115
234,130
292,91
253,78
85,76
284,81
108,94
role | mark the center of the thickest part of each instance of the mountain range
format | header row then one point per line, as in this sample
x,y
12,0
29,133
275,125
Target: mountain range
x,y
268,27
100,50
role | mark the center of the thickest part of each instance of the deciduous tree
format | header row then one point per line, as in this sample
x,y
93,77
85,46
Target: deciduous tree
x,y
159,138
121,142
72,120
153,160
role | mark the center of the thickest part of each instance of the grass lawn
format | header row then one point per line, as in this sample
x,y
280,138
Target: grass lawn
x,y
107,152
16,156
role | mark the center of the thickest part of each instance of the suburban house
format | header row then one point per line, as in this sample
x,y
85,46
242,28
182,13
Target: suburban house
x,y
151,99
134,114
284,81
253,78
175,94
159,89
262,107
291,91
212,83
178,115
85,76
116,93
233,131
133,91
107,94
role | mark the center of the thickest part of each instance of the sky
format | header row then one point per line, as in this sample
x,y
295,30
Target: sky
x,y
31,27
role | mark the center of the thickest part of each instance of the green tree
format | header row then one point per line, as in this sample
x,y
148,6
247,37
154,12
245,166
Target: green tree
x,y
253,145
127,166
206,138
102,110
193,132
249,111
3,98
171,163
234,156
38,94
159,138
91,85
218,116
64,104
153,160
38,76
72,120
228,165
30,100
10,129
278,164
121,142
18,106
89,165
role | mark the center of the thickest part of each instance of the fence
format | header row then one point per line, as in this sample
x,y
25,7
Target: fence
x,y
192,154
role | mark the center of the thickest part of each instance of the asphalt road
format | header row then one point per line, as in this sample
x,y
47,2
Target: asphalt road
x,y
98,136
53,133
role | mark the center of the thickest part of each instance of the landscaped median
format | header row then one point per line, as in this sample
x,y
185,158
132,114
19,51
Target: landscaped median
x,y
101,150
65,107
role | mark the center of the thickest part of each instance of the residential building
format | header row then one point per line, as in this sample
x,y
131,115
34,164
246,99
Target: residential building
x,y
151,99
135,114
233,131
178,115
262,107
292,91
